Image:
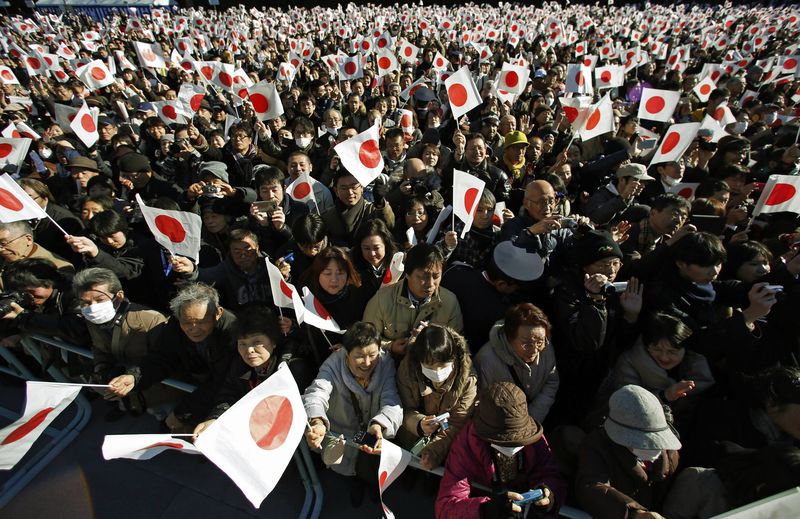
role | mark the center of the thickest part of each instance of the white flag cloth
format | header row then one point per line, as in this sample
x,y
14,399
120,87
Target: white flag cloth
x,y
684,189
513,78
407,123
394,461
176,231
462,92
150,55
387,62
316,315
265,100
15,203
709,123
395,269
26,131
657,105
96,75
408,52
443,215
254,440
286,72
84,125
361,155
780,194
284,294
467,191
704,88
143,446
609,76
676,140
599,119
413,87
576,109
579,79
7,76
44,401
350,68
172,112
191,95
302,188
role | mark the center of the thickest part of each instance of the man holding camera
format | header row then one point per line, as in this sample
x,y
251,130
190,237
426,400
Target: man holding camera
x,y
214,185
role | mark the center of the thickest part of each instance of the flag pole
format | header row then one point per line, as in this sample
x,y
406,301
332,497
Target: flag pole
x,y
62,229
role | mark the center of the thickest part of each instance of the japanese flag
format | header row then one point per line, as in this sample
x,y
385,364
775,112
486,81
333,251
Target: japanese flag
x,y
350,68
579,79
361,155
85,126
723,115
408,52
440,62
413,87
176,231
284,294
513,78
676,139
684,189
150,55
600,119
704,88
26,131
124,62
576,109
7,76
609,76
780,194
143,446
387,62
15,203
265,100
709,123
261,430
788,64
395,269
407,123
184,45
394,461
35,65
44,401
66,52
286,72
462,92
172,112
467,190
95,75
191,96
316,315
657,105
11,132
302,189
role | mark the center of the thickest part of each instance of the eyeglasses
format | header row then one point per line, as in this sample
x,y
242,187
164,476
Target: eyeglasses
x,y
4,245
239,136
350,187
543,202
535,343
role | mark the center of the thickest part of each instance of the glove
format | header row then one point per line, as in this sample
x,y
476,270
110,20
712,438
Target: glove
x,y
499,507
379,191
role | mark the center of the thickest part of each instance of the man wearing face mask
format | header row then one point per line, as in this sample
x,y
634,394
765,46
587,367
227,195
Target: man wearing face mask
x,y
668,175
122,332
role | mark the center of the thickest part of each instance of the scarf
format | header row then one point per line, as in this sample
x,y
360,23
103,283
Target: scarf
x,y
515,170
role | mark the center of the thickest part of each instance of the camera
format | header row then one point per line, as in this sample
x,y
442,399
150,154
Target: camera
x,y
23,299
177,146
418,186
569,223
211,190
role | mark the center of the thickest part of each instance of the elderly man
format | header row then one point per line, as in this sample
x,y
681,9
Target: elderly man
x,y
16,243
399,308
197,345
612,200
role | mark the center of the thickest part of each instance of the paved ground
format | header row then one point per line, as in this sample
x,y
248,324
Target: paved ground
x,y
80,484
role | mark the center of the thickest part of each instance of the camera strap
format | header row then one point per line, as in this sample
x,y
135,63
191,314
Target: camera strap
x,y
359,414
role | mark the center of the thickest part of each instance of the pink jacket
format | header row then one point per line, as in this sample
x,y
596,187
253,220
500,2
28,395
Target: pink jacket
x,y
470,461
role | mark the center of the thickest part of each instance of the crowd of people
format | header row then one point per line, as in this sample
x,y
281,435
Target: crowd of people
x,y
596,334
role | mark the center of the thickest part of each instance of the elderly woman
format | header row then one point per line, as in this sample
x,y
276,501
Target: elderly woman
x,y
502,448
519,352
355,392
435,378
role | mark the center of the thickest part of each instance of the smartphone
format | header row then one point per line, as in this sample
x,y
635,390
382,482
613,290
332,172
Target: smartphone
x,y
266,206
365,438
530,496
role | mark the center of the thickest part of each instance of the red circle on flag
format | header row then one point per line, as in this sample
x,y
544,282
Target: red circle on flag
x,y
594,119
350,68
457,94
780,194
208,72
790,63
439,62
148,55
15,53
384,62
670,141
579,48
225,79
605,50
260,103
34,62
673,59
365,45
579,78
587,62
655,104
25,428
302,190
23,27
285,289
408,51
7,198
195,101
406,121
719,114
470,197
61,74
182,45
321,309
512,79
381,43
170,227
87,123
382,478
15,134
8,75
605,76
270,422
48,60
686,193
169,112
369,153
571,113
98,73
705,89
186,65
715,75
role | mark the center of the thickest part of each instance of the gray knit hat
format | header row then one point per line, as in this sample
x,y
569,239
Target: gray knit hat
x,y
636,419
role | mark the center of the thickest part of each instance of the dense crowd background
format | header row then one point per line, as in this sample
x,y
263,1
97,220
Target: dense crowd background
x,y
651,335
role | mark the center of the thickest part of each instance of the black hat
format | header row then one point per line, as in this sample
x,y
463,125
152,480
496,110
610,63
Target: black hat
x,y
133,162
595,245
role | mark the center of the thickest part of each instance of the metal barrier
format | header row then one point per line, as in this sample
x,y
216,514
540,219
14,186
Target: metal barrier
x,y
302,457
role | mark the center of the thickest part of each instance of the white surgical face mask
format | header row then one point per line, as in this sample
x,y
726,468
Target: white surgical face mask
x,y
670,181
99,313
549,101
438,375
507,451
302,142
45,153
646,454
333,131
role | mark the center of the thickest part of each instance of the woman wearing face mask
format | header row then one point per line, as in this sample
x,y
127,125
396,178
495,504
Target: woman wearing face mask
x,y
372,255
122,332
437,377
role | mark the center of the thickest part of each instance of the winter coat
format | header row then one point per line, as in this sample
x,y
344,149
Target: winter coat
x,y
420,398
470,461
330,397
496,360
235,287
612,483
392,312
